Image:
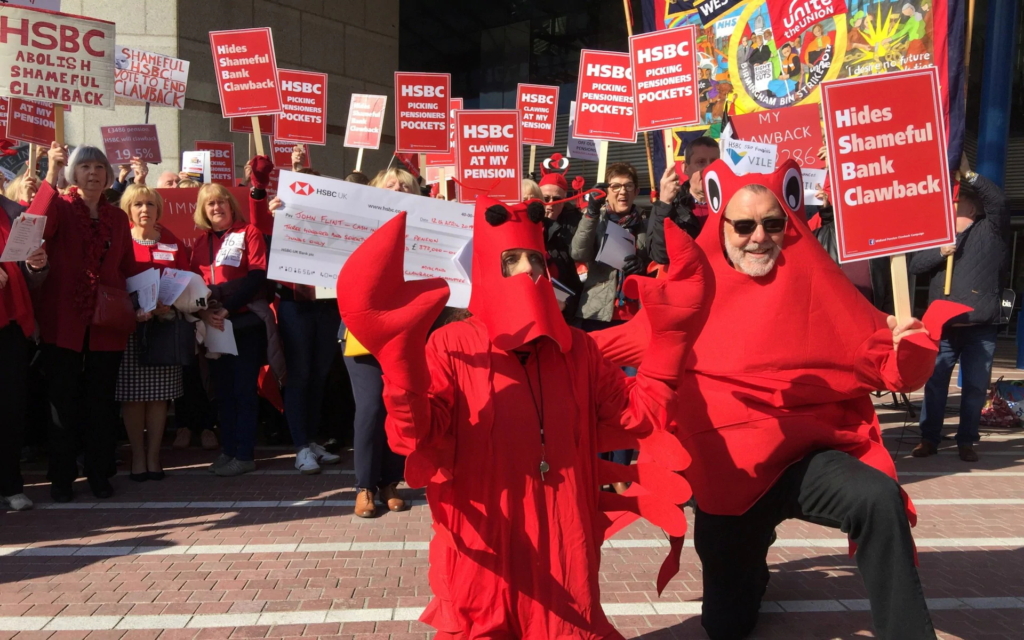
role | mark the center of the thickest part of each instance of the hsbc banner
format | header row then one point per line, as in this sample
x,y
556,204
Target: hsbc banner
x,y
30,121
222,161
887,159
538,109
303,116
150,77
604,97
324,220
664,65
246,69
365,125
490,154
244,125
56,57
447,159
421,112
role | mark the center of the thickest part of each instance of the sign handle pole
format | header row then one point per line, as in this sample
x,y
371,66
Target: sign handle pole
x,y
949,275
359,159
33,158
252,146
58,123
670,147
147,113
442,183
423,166
533,157
602,159
257,135
900,287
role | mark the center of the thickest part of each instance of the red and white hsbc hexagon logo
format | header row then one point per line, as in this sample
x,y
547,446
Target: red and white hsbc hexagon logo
x,y
302,188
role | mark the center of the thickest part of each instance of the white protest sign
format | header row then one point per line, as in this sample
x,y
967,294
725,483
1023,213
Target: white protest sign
x,y
150,77
813,179
749,157
618,244
577,147
25,237
324,220
197,165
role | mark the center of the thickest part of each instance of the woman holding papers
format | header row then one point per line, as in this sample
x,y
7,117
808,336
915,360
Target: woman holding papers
x,y
144,390
84,315
232,258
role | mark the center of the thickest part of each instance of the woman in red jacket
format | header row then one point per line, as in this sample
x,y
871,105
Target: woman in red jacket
x,y
232,258
143,390
93,249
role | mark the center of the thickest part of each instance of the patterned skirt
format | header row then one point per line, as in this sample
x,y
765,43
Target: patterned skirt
x,y
138,383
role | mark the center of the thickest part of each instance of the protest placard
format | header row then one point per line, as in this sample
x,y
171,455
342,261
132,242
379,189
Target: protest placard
x,y
222,161
282,155
246,70
578,147
490,154
447,159
5,105
796,131
421,112
365,125
790,18
24,237
150,77
664,66
303,116
887,160
30,121
538,111
56,57
196,165
244,125
604,97
324,220
180,205
124,142
745,156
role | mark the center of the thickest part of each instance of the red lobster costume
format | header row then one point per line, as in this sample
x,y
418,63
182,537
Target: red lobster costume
x,y
502,416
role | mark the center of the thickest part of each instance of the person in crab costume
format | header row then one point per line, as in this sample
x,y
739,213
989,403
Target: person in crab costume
x,y
779,421
502,415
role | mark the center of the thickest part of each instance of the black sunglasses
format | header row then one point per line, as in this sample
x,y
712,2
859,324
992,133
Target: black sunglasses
x,y
747,227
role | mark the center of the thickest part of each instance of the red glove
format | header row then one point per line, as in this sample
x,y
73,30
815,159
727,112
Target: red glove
x,y
261,167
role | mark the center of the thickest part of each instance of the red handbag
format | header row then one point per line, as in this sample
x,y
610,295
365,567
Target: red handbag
x,y
114,310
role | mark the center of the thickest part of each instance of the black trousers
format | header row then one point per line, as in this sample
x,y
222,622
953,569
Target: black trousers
x,y
194,410
375,463
14,355
830,488
81,388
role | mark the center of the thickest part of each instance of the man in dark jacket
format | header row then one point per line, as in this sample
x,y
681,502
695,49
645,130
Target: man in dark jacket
x,y
560,223
980,262
679,200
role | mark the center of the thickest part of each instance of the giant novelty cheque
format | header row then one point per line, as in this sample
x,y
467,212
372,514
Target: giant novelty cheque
x,y
324,220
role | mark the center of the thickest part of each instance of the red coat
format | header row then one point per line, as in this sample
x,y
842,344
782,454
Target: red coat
x,y
15,302
60,322
252,254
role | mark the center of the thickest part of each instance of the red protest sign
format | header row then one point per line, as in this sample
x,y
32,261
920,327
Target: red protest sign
x,y
222,161
447,159
246,70
490,154
538,109
421,112
887,158
303,116
664,66
124,142
56,57
282,155
790,18
244,125
30,121
365,121
604,97
180,204
5,105
796,131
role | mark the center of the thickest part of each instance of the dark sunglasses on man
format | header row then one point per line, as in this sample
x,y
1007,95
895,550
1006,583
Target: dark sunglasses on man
x,y
747,227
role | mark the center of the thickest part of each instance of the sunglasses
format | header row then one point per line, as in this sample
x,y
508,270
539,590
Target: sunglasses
x,y
747,227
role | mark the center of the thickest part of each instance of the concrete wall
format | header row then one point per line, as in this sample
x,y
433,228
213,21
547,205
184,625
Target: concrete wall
x,y
354,41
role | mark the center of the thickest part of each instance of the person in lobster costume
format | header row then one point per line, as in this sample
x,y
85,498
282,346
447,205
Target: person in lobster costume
x,y
502,415
779,421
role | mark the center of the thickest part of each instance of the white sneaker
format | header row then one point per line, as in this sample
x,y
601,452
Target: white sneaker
x,y
19,502
305,461
323,455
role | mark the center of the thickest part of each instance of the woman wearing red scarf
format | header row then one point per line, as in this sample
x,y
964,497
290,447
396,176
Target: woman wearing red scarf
x,y
93,249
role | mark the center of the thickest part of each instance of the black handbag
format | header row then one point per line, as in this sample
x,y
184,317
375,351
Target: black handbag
x,y
165,343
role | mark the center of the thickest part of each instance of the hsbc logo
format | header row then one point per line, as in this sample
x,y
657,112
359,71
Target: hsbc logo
x,y
302,188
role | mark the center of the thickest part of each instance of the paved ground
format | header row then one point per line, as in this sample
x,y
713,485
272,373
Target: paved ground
x,y
277,555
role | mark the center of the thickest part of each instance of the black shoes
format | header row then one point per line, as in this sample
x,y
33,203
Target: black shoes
x,y
61,494
101,489
156,475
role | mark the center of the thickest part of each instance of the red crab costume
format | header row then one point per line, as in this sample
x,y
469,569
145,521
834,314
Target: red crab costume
x,y
784,367
501,417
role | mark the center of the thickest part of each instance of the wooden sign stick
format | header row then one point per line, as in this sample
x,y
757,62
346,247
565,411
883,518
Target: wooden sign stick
x,y
533,157
257,135
900,287
359,160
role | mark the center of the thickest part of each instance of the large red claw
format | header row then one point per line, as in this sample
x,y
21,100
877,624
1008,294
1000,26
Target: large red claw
x,y
666,450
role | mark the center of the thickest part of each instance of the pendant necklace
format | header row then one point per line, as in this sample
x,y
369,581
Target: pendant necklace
x,y
539,409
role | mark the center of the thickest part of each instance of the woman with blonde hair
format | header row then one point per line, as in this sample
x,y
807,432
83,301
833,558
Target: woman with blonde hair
x,y
143,390
396,179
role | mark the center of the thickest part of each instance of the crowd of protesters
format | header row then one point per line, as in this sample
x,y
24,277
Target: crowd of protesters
x,y
65,304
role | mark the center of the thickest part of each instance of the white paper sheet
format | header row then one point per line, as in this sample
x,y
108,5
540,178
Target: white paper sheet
x,y
222,342
172,284
617,246
813,179
464,260
26,236
147,286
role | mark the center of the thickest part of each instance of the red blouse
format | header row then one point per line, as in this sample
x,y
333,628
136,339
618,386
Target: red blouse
x,y
245,251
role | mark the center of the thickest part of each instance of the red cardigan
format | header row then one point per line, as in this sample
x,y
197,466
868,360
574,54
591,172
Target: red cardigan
x,y
59,323
15,302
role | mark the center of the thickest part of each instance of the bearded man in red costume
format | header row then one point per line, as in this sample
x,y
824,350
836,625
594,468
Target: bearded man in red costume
x,y
779,421
502,415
